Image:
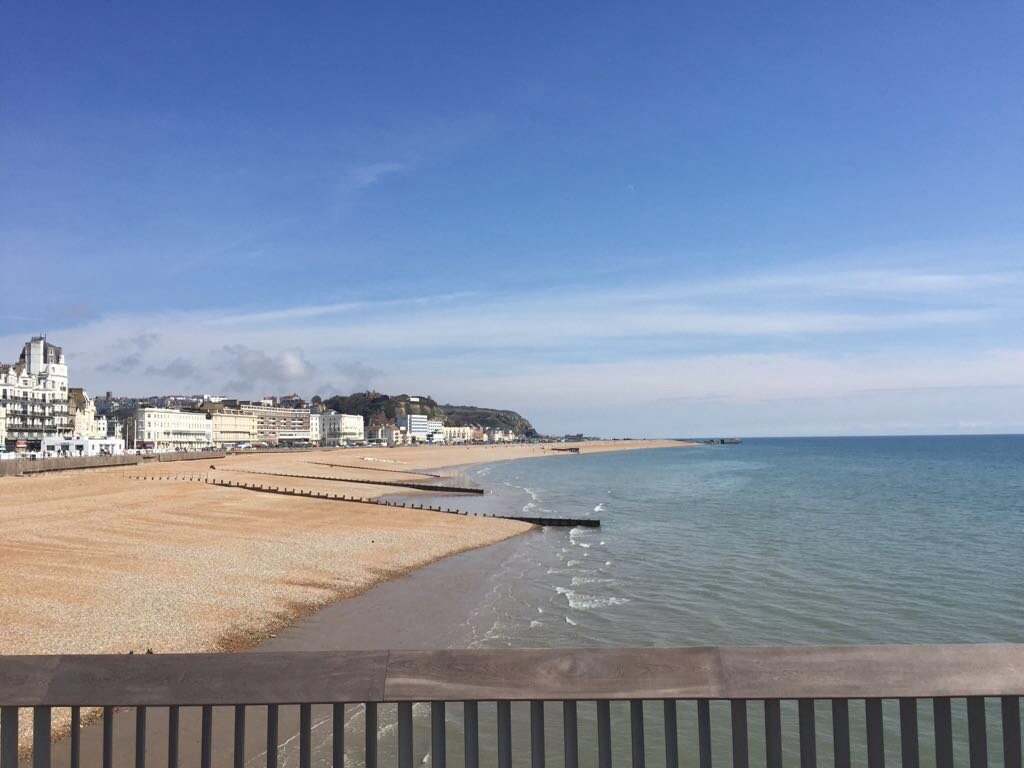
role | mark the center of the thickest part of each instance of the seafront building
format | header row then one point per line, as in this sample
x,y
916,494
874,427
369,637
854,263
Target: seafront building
x,y
458,435
85,423
167,429
342,429
277,425
82,446
315,427
415,426
232,428
34,393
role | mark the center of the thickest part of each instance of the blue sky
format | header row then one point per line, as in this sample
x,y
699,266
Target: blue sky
x,y
649,219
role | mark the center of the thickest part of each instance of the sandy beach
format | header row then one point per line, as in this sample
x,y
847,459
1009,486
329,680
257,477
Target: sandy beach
x,y
95,561
98,561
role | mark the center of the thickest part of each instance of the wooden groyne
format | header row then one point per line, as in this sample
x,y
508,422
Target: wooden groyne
x,y
190,455
554,522
390,483
376,469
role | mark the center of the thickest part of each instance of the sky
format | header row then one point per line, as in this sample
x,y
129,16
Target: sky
x,y
678,219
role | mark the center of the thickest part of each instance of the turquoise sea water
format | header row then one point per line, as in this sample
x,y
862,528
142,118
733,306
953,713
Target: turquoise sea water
x,y
788,541
827,540
774,541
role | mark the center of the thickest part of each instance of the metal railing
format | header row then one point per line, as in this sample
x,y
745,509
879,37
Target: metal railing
x,y
849,683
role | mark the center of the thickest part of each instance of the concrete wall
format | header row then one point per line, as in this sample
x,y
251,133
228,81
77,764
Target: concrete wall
x,y
30,466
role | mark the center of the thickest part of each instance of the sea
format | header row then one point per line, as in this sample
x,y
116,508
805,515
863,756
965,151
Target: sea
x,y
772,541
844,540
790,541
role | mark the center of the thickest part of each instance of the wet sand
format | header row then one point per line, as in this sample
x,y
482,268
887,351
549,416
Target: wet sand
x,y
398,614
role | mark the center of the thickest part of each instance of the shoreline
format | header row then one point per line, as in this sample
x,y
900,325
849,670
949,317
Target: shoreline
x,y
98,562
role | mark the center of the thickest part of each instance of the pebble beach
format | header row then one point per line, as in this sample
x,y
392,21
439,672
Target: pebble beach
x,y
100,561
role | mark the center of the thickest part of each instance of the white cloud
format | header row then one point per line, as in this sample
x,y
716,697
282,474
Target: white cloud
x,y
635,360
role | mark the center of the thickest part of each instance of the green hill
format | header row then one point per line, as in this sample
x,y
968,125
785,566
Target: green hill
x,y
378,408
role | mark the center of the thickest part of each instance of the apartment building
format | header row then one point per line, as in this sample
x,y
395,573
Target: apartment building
x,y
232,427
458,434
167,429
415,426
34,393
85,423
316,433
276,425
435,431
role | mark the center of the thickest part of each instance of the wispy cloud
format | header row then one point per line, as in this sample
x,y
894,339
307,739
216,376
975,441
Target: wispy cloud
x,y
362,176
744,343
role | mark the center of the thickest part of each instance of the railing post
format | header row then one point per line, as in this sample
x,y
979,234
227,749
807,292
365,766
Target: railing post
x,y
943,732
976,731
471,734
773,733
808,738
370,719
909,751
536,733
438,740
841,733
504,734
108,737
305,735
636,732
272,735
671,734
239,748
876,743
740,748
206,740
570,735
604,735
140,737
76,737
338,735
1011,731
40,737
704,732
9,737
173,721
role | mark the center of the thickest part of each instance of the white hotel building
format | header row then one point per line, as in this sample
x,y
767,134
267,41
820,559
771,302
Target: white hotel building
x,y
34,393
341,429
166,429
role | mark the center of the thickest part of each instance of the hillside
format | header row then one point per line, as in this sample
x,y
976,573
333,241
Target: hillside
x,y
378,408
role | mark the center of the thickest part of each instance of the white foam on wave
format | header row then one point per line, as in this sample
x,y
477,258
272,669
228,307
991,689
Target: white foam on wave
x,y
570,621
581,602
583,544
599,507
534,624
577,580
